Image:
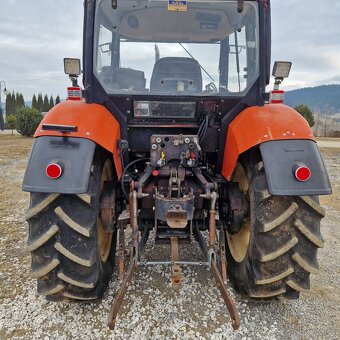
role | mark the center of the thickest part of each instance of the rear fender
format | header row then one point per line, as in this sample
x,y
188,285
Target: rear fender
x,y
94,125
257,125
93,122
74,155
280,160
285,139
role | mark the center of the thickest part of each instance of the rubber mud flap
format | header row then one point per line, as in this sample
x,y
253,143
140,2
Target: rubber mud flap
x,y
279,158
75,155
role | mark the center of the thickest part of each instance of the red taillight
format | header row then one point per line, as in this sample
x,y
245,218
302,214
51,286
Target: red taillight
x,y
277,96
155,173
74,93
302,173
54,170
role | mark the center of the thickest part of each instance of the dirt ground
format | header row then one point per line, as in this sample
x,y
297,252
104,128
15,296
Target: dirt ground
x,y
316,315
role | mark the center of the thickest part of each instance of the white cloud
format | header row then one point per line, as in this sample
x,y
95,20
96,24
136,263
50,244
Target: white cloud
x,y
307,33
35,36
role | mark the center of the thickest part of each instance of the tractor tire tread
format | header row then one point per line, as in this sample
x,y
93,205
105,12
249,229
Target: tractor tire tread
x,y
44,269
280,219
73,257
75,282
47,291
267,294
276,278
296,286
41,206
283,248
280,251
34,244
85,198
79,297
303,263
71,223
313,205
63,243
315,237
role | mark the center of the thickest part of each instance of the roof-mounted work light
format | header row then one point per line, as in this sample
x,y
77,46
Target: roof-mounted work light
x,y
73,69
281,70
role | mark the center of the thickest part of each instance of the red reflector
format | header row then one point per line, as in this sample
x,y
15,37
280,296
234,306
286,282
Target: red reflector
x,y
302,173
74,93
54,171
155,173
277,96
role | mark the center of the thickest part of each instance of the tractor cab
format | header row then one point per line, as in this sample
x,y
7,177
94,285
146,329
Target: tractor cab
x,y
158,64
176,48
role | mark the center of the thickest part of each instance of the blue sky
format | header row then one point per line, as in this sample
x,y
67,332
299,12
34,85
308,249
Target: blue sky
x,y
36,35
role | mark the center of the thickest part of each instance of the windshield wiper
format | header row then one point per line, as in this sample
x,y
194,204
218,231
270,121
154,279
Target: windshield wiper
x,y
237,62
198,62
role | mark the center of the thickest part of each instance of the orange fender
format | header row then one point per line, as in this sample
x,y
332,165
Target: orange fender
x,y
94,122
259,124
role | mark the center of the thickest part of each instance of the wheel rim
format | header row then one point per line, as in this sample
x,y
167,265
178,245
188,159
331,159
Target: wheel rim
x,y
238,243
104,237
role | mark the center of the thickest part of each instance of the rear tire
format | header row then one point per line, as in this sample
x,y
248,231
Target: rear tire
x,y
72,256
275,252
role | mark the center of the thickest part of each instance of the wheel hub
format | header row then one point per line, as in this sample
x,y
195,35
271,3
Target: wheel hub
x,y
238,236
236,208
105,233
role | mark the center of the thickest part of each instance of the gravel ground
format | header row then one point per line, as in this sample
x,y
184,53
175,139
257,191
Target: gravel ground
x,y
329,143
153,309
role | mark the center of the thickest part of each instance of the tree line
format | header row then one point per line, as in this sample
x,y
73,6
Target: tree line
x,y
43,104
26,119
15,101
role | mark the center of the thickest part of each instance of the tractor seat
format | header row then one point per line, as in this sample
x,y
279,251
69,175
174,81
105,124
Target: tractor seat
x,y
176,75
123,78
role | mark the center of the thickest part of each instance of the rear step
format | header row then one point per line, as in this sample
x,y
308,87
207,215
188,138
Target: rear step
x,y
138,246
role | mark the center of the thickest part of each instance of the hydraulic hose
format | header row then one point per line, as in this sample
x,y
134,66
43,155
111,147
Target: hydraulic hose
x,y
125,171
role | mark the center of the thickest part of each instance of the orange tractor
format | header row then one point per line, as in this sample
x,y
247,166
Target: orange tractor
x,y
173,122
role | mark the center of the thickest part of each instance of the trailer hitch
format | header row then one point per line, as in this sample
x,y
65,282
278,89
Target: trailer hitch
x,y
211,263
115,307
235,319
138,248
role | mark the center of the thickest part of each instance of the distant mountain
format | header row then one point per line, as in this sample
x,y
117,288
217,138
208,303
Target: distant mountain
x,y
324,99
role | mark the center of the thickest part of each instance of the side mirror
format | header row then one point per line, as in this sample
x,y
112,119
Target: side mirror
x,y
72,67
